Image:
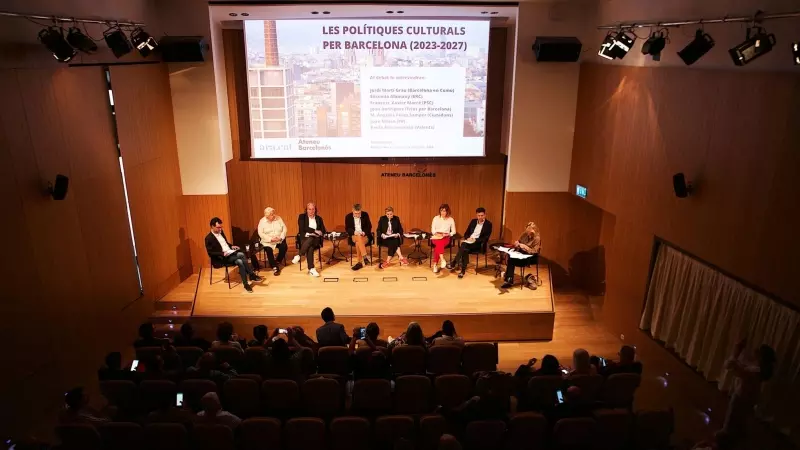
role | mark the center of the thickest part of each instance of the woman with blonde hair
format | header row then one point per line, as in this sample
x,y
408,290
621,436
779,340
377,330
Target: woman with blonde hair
x,y
530,243
412,336
272,235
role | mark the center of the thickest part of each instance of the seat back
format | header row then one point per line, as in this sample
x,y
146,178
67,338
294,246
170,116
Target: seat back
x,y
153,392
242,397
527,430
614,428
322,397
590,386
78,437
619,389
193,390
431,429
452,390
334,360
121,435
120,393
259,433
350,433
653,429
574,433
255,360
372,396
444,359
166,436
412,394
280,397
478,356
485,434
389,429
305,433
189,355
408,360
147,354
227,354
212,437
541,391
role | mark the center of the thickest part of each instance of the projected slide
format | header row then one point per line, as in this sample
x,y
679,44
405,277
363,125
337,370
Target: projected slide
x,y
366,88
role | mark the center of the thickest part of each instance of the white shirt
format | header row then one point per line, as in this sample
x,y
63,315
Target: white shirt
x,y
477,233
312,222
446,226
357,221
225,247
389,230
268,230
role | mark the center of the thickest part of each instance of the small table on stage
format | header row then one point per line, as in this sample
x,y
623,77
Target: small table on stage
x,y
417,236
336,238
511,252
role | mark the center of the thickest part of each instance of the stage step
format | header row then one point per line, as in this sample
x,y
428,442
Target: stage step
x,y
173,316
167,330
180,298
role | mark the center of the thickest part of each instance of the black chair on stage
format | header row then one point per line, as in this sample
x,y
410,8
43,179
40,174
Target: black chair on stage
x,y
455,241
381,246
531,262
219,263
297,243
370,242
482,250
264,255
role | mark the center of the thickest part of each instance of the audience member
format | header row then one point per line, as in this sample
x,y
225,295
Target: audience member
x,y
282,362
112,370
571,407
172,360
749,370
412,336
213,413
303,339
208,368
186,338
374,364
581,363
491,401
77,409
550,367
226,337
259,337
373,332
449,442
167,412
627,363
447,335
331,334
147,336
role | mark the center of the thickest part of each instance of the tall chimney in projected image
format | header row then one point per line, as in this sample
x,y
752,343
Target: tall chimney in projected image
x,y
271,43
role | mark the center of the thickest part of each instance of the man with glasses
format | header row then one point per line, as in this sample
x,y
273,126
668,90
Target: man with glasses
x,y
222,252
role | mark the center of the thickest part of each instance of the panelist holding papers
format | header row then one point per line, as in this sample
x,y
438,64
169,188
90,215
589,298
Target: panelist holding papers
x,y
311,227
390,233
529,243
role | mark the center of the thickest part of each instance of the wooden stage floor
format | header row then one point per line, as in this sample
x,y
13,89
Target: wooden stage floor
x,y
392,297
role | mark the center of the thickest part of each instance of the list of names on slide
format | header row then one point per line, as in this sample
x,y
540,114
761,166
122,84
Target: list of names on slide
x,y
409,104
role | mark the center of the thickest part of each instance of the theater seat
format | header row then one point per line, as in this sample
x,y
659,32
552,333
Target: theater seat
x,y
653,429
485,435
479,357
78,437
151,392
431,429
333,360
452,390
305,433
541,392
194,390
389,429
574,434
619,389
527,430
412,394
322,397
121,435
350,433
590,386
408,360
444,359
242,397
613,428
372,396
212,437
281,398
166,436
260,433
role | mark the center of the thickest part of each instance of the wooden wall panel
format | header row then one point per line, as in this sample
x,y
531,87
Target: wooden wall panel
x,y
336,185
71,272
199,209
149,151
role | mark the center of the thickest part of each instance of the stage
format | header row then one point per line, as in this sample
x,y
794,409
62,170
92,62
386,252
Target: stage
x,y
392,297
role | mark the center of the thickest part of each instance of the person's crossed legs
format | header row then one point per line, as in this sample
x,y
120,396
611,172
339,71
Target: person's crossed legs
x,y
240,260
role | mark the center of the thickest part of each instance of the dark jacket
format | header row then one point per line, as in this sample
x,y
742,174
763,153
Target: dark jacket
x,y
383,227
332,334
303,228
614,368
486,231
366,225
213,248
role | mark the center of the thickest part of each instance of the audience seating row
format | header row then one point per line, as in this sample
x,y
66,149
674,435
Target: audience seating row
x,y
607,430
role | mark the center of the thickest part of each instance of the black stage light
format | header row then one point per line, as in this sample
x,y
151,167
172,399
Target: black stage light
x,y
143,41
623,42
80,41
796,53
654,45
754,46
117,42
53,39
608,42
695,50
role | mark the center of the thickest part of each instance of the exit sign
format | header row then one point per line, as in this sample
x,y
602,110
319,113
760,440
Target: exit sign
x,y
581,191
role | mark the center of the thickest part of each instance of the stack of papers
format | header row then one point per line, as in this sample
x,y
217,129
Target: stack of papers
x,y
512,253
415,236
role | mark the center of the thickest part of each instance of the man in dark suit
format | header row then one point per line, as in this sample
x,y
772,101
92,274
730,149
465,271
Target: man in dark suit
x,y
359,228
222,252
476,236
627,363
310,229
331,334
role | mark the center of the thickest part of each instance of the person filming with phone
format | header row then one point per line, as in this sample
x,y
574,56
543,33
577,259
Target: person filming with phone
x,y
372,364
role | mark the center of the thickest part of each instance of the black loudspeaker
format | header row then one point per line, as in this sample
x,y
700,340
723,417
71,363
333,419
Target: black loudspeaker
x,y
183,48
557,49
682,188
59,190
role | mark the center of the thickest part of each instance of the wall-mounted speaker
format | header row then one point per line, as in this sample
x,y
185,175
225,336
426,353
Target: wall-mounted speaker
x,y
58,190
557,48
183,48
682,188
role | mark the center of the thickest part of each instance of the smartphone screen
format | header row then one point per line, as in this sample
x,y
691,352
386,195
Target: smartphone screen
x,y
179,399
134,365
560,396
362,333
602,362
282,330
565,371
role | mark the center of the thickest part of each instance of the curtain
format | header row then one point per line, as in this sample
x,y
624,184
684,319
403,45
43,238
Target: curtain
x,y
702,313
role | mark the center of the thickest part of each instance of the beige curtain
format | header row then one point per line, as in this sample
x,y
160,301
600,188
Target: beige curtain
x,y
701,313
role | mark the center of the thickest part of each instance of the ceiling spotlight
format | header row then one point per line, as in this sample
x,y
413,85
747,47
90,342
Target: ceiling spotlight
x,y
80,41
796,53
617,46
608,42
53,39
117,42
143,41
654,45
695,50
755,45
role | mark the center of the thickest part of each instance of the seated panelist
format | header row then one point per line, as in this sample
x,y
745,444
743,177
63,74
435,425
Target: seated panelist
x,y
529,242
390,235
223,252
443,227
272,235
310,229
359,228
478,232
